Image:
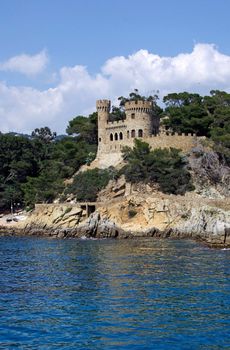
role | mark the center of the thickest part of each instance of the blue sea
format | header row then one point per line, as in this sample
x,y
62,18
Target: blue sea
x,y
113,294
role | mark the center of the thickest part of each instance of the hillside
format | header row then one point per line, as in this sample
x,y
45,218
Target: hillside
x,y
148,190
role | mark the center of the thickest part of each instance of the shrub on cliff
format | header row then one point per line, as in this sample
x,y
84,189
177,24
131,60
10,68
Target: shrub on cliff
x,y
87,184
163,166
203,115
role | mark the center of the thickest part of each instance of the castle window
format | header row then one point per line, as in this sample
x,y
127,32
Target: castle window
x,y
116,137
128,134
121,136
133,133
140,133
99,139
133,115
111,137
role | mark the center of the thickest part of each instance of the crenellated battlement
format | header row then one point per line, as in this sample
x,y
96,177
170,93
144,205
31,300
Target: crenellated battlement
x,y
142,123
165,134
139,106
116,122
103,105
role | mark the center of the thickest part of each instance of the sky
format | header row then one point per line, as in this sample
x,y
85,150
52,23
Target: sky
x,y
58,56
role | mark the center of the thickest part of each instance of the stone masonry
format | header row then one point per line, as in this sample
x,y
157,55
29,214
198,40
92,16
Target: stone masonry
x,y
140,123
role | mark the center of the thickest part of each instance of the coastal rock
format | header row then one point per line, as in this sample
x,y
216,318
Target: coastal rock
x,y
107,229
158,215
210,224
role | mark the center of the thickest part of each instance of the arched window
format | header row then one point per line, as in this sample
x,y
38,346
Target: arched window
x,y
140,133
128,134
121,136
133,133
111,137
116,137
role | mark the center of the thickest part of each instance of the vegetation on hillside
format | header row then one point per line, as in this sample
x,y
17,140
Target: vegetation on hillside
x,y
203,115
87,184
166,167
33,169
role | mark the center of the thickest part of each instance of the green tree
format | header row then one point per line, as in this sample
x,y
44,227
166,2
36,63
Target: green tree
x,y
72,154
84,127
135,96
44,134
187,114
87,184
166,167
45,187
220,128
17,161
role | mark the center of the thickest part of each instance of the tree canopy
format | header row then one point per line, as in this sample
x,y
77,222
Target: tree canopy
x,y
87,184
44,134
33,169
136,96
203,115
85,128
165,167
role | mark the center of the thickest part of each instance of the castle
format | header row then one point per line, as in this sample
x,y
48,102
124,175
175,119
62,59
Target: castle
x,y
141,123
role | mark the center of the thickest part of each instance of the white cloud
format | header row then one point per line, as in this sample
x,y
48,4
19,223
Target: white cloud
x,y
24,108
26,64
205,66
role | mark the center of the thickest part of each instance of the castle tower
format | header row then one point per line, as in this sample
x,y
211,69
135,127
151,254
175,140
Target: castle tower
x,y
103,109
140,119
141,122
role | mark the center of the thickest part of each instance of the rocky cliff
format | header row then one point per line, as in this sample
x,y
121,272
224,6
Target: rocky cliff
x,y
127,211
138,214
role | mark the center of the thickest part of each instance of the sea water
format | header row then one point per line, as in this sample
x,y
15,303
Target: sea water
x,y
113,294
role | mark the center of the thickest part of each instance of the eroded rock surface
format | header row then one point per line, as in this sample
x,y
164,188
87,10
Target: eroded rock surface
x,y
145,215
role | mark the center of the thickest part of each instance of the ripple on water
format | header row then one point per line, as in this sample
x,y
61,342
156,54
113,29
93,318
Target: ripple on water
x,y
108,294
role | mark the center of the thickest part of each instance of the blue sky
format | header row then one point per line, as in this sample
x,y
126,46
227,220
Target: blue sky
x,y
58,56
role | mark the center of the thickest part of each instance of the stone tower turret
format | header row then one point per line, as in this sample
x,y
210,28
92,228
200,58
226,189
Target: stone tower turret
x,y
140,120
103,109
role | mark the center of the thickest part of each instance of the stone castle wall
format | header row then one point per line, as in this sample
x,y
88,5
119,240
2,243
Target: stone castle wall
x,y
183,142
140,123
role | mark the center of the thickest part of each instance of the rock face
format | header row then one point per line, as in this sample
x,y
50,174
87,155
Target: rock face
x,y
172,216
137,215
209,224
56,216
211,177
